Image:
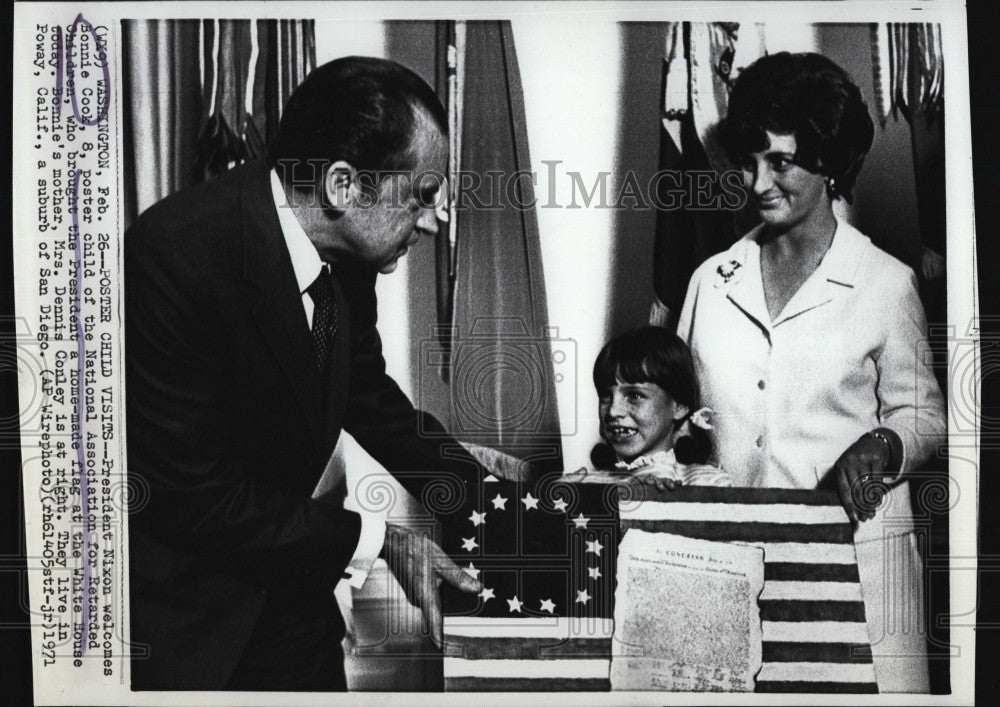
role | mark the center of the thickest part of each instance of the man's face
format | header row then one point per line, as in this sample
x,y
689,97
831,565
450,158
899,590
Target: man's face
x,y
380,229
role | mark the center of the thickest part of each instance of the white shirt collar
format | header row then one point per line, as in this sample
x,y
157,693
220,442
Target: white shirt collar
x,y
839,264
305,259
666,458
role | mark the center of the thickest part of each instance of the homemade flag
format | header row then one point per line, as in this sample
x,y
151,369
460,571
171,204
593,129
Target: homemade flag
x,y
543,620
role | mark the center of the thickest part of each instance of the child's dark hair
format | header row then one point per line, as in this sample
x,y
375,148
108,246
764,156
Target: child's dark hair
x,y
652,354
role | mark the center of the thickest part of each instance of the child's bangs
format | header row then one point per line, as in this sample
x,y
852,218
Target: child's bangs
x,y
616,363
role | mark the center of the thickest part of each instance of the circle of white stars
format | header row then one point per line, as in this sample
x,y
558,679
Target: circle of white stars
x,y
515,605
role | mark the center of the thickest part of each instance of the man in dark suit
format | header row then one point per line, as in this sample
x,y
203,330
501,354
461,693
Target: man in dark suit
x,y
250,343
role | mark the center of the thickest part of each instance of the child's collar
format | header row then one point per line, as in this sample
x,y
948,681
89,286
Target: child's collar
x,y
660,458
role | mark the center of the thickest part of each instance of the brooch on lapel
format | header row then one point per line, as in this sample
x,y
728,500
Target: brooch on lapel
x,y
726,272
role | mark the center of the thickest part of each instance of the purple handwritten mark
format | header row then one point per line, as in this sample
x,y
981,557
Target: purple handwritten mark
x,y
104,104
64,58
78,391
59,71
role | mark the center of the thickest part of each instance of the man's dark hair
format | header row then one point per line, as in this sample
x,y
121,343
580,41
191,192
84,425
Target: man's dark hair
x,y
810,96
361,110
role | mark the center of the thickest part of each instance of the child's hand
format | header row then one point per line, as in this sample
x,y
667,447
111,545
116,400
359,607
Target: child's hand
x,y
658,482
575,476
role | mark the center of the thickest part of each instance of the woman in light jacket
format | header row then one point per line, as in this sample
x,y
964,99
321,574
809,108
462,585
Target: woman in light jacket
x,y
810,341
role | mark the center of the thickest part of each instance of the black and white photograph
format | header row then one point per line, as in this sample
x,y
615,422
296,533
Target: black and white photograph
x,y
426,348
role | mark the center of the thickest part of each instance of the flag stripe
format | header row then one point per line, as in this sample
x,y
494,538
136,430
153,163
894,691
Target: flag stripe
x,y
592,668
803,687
813,631
472,684
769,513
809,553
526,648
805,572
749,532
810,591
815,672
788,652
553,627
742,496
812,611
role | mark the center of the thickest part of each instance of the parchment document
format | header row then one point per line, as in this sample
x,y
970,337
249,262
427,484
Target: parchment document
x,y
686,615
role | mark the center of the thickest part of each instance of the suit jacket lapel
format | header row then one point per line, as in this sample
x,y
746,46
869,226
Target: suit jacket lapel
x,y
278,309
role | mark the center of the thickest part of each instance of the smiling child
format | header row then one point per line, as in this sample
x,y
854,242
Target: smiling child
x,y
650,412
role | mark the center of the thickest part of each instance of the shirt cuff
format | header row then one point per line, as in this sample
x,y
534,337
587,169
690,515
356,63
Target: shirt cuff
x,y
370,543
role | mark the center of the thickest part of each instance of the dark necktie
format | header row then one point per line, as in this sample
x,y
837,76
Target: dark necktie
x,y
324,323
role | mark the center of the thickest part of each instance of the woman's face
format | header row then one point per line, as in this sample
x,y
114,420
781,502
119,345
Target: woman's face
x,y
785,193
638,418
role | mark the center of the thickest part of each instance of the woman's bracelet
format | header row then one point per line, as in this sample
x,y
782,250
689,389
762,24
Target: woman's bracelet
x,y
884,438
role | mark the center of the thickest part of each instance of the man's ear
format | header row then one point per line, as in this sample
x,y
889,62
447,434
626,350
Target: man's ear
x,y
337,183
680,412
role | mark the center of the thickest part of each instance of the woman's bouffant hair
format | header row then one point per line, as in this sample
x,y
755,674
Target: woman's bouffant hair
x,y
652,354
811,97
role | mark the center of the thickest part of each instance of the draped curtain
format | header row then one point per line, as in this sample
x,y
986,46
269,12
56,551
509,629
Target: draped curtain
x,y
203,96
701,60
162,109
909,83
491,286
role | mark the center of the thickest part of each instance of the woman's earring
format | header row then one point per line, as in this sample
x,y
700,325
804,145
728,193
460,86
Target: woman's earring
x,y
831,188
